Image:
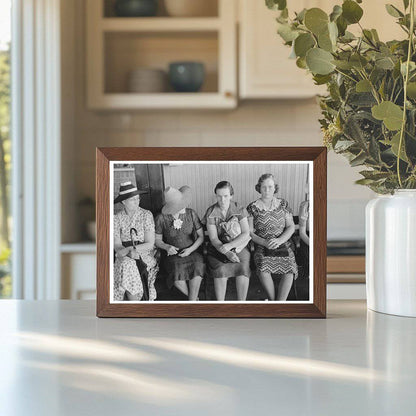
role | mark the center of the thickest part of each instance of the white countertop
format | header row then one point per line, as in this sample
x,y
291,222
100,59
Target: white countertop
x,y
57,358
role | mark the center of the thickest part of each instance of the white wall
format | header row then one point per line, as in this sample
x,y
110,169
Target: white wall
x,y
202,179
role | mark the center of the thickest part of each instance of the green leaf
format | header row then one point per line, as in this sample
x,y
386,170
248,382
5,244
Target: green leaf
x,y
336,12
343,65
343,145
361,99
406,4
385,63
286,32
358,160
325,43
374,150
393,11
303,43
411,90
364,181
333,32
300,17
390,113
375,35
394,145
363,86
276,4
342,25
347,37
412,67
301,63
358,61
321,79
319,61
284,14
374,175
351,11
316,20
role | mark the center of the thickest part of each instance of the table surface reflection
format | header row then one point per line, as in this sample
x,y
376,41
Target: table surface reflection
x,y
57,358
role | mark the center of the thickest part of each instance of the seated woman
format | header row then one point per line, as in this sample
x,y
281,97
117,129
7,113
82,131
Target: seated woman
x,y
179,233
271,226
229,234
135,267
304,237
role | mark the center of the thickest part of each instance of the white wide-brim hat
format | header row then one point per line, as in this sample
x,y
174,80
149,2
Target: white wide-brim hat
x,y
176,199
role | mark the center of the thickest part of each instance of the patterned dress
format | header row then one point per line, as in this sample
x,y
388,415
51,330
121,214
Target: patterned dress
x,y
217,263
176,267
271,223
126,271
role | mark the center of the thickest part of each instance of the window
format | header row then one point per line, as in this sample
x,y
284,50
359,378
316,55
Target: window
x,y
5,147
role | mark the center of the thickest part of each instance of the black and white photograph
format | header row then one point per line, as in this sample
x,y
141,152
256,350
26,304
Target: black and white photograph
x,y
211,231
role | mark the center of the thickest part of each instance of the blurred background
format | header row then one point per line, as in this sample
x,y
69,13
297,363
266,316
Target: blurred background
x,y
101,73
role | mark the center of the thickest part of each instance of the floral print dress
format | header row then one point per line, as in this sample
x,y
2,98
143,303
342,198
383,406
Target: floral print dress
x,y
126,272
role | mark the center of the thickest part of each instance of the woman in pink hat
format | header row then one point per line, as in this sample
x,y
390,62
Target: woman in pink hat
x,y
135,266
179,234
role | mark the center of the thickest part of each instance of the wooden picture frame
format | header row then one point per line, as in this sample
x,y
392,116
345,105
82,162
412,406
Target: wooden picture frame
x,y
314,157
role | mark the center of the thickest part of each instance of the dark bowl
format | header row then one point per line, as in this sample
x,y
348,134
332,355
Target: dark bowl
x,y
186,76
136,8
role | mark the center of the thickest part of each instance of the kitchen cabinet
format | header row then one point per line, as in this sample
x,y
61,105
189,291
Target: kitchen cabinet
x,y
118,45
265,70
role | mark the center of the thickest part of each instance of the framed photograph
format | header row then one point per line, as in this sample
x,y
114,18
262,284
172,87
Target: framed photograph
x,y
211,232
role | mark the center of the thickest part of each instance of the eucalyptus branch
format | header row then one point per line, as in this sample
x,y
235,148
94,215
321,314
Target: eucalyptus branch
x,y
373,89
406,79
345,75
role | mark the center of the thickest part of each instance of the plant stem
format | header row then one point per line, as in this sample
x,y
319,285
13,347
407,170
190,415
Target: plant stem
x,y
406,79
345,75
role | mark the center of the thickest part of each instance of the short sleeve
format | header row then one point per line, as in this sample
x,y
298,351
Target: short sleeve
x,y
304,211
243,213
285,206
159,224
116,226
211,221
149,223
205,219
196,220
250,210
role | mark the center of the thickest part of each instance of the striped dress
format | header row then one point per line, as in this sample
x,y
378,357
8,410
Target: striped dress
x,y
271,223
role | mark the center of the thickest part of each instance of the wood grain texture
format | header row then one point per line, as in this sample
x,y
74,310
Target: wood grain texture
x,y
211,310
346,264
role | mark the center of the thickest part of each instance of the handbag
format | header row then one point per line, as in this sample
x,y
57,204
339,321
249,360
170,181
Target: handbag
x,y
281,251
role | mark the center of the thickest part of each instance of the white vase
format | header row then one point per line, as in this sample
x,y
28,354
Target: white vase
x,y
391,253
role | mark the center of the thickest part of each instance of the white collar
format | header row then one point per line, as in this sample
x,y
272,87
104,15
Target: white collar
x,y
261,205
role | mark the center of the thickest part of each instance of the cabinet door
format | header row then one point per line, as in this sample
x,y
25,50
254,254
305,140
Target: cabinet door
x,y
265,68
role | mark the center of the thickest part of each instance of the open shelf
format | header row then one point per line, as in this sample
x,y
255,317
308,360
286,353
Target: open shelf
x,y
210,9
116,46
160,24
127,51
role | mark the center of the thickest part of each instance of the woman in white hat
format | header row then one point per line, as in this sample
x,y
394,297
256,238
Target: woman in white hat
x,y
135,266
179,234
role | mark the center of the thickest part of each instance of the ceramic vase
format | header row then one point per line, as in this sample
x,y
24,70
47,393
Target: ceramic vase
x,y
391,253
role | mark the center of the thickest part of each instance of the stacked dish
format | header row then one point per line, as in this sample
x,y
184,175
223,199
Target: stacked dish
x,y
147,80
